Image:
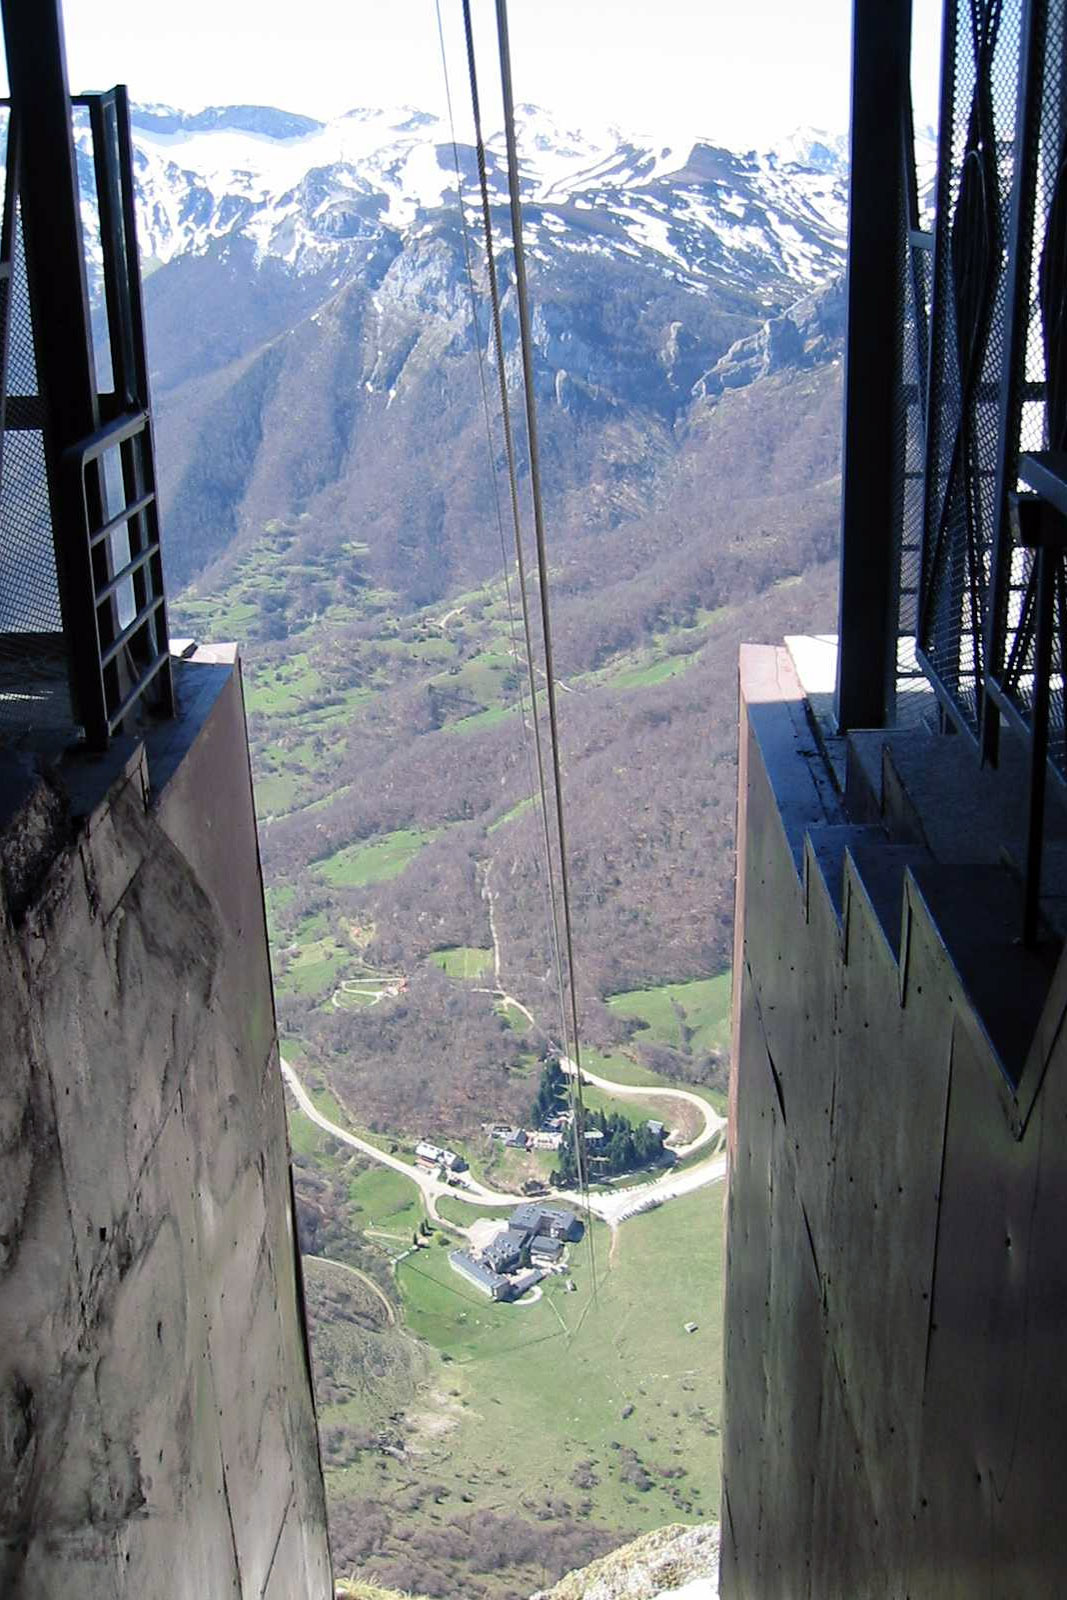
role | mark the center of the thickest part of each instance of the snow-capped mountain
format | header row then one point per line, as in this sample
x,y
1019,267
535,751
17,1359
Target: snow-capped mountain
x,y
313,194
313,335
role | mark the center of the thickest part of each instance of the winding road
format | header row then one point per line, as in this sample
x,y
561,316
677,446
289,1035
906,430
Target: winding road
x,y
365,1279
433,1188
374,990
713,1123
613,1206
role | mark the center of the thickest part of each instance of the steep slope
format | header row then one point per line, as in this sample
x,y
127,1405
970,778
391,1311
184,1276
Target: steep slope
x,y
331,488
374,720
676,1560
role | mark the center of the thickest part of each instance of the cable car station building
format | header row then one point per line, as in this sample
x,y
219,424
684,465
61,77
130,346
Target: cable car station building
x,y
896,1300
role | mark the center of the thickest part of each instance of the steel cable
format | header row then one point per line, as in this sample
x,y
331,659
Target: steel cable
x,y
490,453
526,343
509,446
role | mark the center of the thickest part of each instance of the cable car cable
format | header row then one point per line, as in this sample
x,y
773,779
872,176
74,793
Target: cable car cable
x,y
509,445
525,341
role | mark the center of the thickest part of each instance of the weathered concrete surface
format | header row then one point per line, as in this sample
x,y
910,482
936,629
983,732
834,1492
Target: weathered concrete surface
x,y
895,1393
157,1431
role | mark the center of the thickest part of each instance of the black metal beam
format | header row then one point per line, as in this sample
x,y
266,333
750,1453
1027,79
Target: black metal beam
x,y
1013,385
867,619
51,222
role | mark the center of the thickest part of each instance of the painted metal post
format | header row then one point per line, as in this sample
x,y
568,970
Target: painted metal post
x,y
867,617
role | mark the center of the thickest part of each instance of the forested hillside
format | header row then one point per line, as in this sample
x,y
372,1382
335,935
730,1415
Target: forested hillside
x,y
371,722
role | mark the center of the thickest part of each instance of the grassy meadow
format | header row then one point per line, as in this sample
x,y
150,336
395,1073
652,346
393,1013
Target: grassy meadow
x,y
606,1401
463,961
692,1016
372,860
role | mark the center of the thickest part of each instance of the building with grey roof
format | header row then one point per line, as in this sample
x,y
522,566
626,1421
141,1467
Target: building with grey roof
x,y
556,1221
527,1216
560,1222
480,1274
506,1249
529,1278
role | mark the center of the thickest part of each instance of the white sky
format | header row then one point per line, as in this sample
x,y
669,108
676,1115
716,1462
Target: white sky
x,y
742,71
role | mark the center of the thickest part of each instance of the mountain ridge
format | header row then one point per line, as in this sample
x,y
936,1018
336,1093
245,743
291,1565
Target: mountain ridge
x,y
322,280
286,180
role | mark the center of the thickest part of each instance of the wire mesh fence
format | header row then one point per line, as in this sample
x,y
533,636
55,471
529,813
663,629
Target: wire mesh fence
x,y
34,688
83,635
1042,413
914,268
969,375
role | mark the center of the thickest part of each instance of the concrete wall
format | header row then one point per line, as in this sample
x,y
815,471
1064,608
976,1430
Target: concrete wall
x,y
157,1431
896,1317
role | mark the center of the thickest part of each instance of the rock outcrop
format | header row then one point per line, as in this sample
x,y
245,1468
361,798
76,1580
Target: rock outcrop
x,y
677,1561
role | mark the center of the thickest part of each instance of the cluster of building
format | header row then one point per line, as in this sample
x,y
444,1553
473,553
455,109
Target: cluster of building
x,y
433,1156
528,1246
510,1138
548,1137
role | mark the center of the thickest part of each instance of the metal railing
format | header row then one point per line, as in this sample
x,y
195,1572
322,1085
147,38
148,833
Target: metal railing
x,y
128,621
972,541
89,496
993,609
111,474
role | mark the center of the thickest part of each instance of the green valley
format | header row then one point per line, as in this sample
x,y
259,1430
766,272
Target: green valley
x,y
402,853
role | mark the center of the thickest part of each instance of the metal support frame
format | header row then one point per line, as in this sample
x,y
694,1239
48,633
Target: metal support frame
x,y
867,628
145,661
1039,523
1014,387
131,654
108,559
55,261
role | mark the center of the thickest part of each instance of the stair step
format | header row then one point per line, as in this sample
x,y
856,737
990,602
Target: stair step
x,y
977,911
825,855
878,870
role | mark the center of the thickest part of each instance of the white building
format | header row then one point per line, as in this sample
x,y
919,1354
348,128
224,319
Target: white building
x,y
543,1140
434,1155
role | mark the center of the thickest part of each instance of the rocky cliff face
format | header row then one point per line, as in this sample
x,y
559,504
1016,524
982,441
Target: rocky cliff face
x,y
673,1563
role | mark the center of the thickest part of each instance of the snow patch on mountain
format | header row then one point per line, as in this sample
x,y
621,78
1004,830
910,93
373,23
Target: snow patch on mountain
x,y
317,196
